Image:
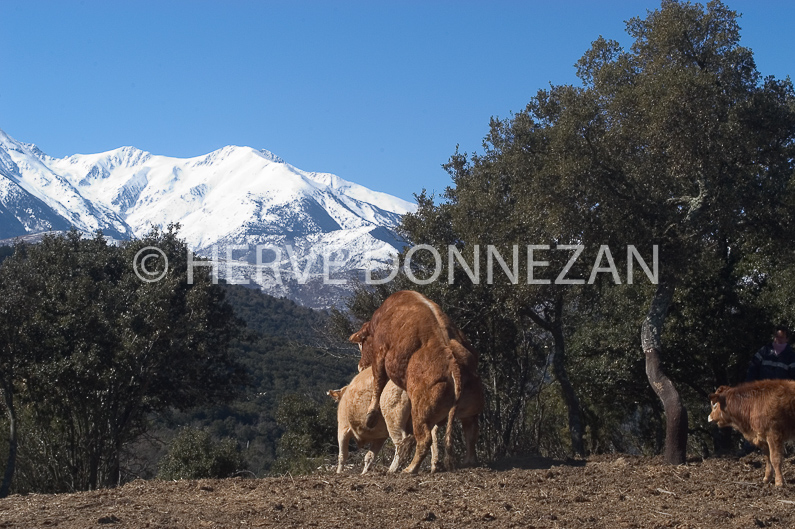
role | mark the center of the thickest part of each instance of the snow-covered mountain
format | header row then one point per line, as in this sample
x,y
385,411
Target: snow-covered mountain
x,y
230,200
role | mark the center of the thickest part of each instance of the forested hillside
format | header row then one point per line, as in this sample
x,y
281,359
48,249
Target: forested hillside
x,y
103,375
281,355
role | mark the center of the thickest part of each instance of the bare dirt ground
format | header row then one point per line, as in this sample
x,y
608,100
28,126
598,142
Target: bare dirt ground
x,y
600,492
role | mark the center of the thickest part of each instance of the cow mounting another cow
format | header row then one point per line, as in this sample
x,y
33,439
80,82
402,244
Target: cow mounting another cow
x,y
410,341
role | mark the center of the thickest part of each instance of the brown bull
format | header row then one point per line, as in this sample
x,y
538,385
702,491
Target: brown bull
x,y
411,342
764,412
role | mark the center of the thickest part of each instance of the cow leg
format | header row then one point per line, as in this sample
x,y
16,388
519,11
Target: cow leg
x,y
375,447
402,451
380,379
449,463
343,439
763,445
422,434
398,424
776,448
471,429
396,459
421,419
434,449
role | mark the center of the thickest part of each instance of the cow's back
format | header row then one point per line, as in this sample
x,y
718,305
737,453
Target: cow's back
x,y
776,412
405,323
761,407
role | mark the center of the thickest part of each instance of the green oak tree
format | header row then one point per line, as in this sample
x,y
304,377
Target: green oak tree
x,y
99,348
677,142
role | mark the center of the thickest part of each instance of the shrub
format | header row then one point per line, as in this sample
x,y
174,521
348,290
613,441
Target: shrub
x,y
309,437
193,454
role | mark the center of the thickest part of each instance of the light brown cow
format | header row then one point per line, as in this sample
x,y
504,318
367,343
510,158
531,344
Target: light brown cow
x,y
353,401
354,398
411,342
764,412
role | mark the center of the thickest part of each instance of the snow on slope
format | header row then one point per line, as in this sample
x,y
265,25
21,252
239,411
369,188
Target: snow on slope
x,y
235,196
216,194
37,179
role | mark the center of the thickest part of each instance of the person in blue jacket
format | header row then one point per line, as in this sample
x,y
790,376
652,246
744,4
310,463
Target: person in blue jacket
x,y
774,360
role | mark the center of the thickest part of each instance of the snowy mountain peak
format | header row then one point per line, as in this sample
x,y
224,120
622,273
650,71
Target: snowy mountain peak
x,y
107,161
5,139
7,143
232,196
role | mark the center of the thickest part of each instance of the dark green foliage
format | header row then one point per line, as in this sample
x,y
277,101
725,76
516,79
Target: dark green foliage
x,y
97,349
621,411
5,252
278,352
309,436
680,142
193,454
269,316
281,354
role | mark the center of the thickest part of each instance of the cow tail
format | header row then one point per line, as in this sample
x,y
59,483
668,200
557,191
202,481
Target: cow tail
x,y
455,370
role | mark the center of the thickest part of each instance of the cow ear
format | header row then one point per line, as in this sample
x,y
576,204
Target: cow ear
x,y
713,397
335,394
361,335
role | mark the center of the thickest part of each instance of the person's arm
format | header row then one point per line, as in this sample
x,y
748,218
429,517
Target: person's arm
x,y
753,366
791,360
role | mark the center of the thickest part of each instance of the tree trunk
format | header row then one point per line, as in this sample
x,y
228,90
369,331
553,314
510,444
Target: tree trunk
x,y
519,403
675,412
8,397
569,395
559,369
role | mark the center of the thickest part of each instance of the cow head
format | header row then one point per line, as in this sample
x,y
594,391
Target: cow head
x,y
718,401
361,337
336,394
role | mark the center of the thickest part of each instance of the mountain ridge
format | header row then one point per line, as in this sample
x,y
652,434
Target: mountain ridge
x,y
233,196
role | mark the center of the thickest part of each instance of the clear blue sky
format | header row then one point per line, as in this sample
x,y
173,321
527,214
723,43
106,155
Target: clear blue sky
x,y
376,92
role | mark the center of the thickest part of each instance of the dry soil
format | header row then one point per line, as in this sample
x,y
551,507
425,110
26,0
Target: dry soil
x,y
600,492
